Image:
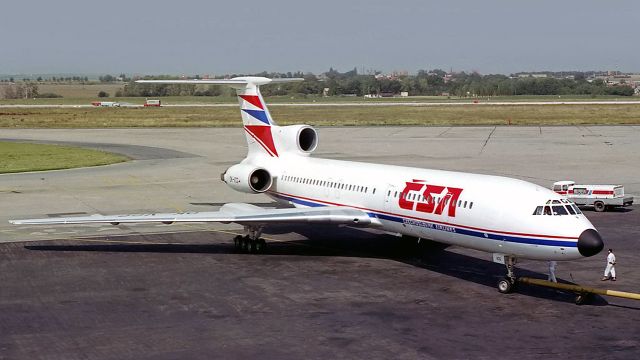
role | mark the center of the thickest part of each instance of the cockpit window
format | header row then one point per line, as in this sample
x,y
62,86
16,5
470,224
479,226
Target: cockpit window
x,y
559,210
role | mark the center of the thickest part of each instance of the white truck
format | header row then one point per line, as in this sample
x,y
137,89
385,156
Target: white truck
x,y
105,103
152,102
600,197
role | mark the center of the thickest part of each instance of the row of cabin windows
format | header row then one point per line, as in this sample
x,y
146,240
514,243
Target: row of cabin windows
x,y
365,189
419,197
329,184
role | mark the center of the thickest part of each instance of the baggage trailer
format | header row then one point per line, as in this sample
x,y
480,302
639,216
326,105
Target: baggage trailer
x,y
601,197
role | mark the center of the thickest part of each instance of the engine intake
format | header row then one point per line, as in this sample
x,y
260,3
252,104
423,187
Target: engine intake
x,y
302,139
247,178
307,139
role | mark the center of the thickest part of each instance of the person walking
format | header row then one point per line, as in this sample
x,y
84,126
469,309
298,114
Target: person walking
x,y
610,270
552,271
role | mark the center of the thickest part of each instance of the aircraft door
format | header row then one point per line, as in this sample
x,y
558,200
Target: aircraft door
x,y
389,198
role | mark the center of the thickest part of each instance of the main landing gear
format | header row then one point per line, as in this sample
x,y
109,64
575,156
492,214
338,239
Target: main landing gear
x,y
507,284
251,242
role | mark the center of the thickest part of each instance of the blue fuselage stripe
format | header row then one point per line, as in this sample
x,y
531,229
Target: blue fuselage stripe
x,y
463,231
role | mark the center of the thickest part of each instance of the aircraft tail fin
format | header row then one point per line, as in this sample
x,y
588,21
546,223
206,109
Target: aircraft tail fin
x,y
256,118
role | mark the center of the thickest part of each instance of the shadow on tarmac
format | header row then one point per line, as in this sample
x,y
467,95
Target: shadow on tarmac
x,y
335,241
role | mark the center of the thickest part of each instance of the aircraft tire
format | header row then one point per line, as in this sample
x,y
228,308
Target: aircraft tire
x,y
505,286
253,246
261,246
599,206
246,244
237,242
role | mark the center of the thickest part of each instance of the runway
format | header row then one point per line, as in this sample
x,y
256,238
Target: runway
x,y
480,102
180,291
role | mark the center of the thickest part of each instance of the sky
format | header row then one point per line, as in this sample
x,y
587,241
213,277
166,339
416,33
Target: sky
x,y
247,36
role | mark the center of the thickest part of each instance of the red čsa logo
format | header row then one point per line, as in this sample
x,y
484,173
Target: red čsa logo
x,y
411,198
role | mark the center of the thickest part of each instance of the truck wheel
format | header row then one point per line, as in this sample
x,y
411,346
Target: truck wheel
x,y
599,206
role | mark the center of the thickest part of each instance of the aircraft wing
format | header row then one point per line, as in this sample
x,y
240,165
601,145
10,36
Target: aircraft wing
x,y
239,213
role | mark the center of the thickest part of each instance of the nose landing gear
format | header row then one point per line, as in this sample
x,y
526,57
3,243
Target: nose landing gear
x,y
508,283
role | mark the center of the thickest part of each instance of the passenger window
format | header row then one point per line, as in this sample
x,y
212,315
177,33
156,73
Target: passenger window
x,y
470,205
538,211
459,203
465,204
374,190
559,210
570,210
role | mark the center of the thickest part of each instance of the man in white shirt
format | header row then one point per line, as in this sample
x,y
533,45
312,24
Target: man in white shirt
x,y
610,269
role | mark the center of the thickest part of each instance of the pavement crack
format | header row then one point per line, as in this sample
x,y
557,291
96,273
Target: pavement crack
x,y
444,132
487,140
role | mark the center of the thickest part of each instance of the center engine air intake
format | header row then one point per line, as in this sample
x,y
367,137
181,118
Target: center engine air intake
x,y
301,139
247,178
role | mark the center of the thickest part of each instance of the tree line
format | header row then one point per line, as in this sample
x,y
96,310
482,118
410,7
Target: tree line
x,y
432,82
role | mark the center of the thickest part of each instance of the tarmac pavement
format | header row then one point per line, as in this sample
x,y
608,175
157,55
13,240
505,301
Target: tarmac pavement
x,y
181,291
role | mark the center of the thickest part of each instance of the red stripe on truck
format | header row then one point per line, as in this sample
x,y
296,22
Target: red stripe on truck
x,y
602,192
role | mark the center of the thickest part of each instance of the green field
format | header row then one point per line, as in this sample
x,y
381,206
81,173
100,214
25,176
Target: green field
x,y
22,157
323,116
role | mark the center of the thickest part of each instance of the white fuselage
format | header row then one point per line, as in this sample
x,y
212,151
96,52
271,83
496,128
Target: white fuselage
x,y
483,212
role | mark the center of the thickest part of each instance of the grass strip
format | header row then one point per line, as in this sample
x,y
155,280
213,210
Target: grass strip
x,y
22,157
468,115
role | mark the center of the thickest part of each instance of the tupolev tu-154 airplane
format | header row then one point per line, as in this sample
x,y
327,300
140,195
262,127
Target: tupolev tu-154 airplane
x,y
507,217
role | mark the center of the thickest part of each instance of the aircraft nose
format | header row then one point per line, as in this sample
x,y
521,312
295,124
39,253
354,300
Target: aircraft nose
x,y
590,243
